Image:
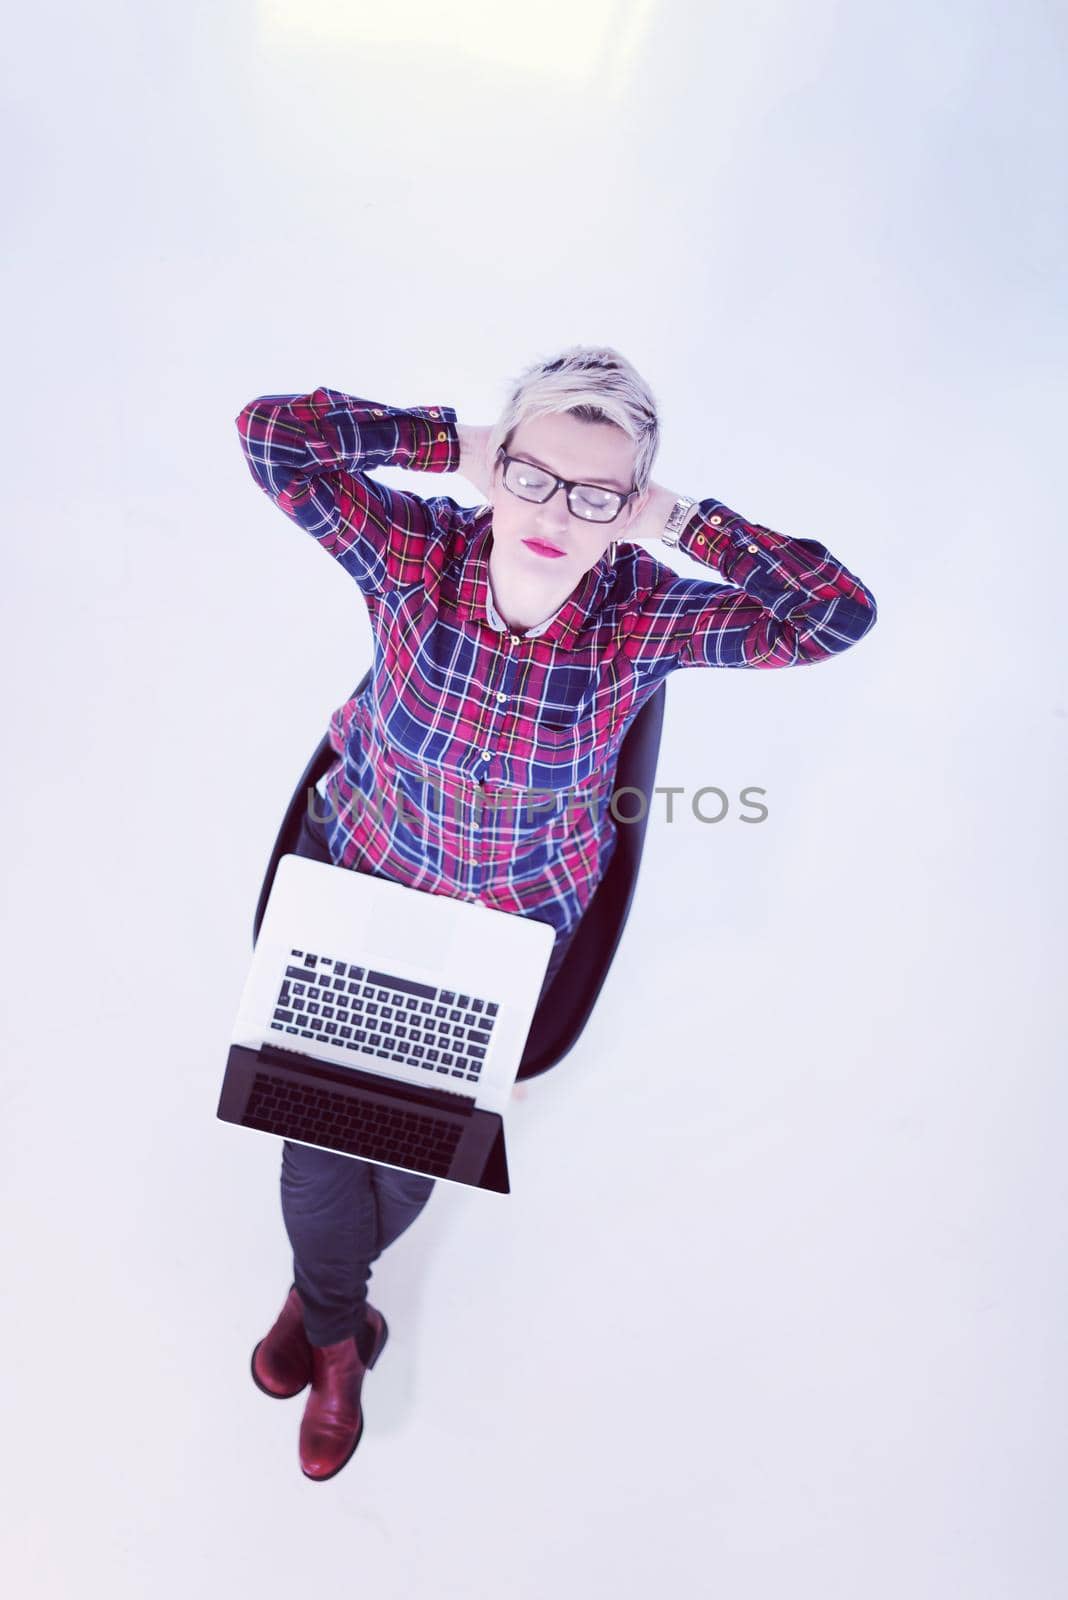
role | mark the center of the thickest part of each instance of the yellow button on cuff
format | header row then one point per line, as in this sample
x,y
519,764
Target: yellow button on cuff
x,y
442,436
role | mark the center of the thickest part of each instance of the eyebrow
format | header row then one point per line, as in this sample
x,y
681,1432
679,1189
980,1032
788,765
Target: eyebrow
x,y
604,483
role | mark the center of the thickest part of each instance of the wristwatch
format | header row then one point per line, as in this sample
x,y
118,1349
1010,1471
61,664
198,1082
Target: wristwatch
x,y
677,519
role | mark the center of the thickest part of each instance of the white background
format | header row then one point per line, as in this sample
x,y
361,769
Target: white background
x,y
777,1305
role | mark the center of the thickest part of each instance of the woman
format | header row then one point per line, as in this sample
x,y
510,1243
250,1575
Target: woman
x,y
514,643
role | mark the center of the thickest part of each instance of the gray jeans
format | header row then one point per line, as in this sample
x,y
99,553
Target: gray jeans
x,y
341,1212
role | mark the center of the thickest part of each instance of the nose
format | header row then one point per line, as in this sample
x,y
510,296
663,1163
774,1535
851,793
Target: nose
x,y
554,517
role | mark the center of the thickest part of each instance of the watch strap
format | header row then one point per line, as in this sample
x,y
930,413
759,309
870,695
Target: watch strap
x,y
677,519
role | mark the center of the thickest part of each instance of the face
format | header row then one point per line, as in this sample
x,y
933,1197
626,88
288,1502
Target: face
x,y
583,452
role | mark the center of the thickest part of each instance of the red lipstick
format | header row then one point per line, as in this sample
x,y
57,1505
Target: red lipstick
x,y
542,549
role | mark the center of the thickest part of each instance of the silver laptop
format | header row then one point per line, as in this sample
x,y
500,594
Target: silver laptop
x,y
385,1022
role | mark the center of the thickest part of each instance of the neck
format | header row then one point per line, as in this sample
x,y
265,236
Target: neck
x,y
524,604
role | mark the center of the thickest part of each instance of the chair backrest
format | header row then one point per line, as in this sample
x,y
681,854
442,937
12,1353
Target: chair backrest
x,y
567,1003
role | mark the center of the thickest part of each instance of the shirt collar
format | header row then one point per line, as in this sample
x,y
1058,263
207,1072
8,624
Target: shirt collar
x,y
473,598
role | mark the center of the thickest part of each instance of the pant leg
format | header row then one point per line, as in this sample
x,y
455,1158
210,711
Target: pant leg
x,y
340,1211
399,1196
331,1220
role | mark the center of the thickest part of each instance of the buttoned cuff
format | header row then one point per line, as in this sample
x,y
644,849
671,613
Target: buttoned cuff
x,y
434,443
704,536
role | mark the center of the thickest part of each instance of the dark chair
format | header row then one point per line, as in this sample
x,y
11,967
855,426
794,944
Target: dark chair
x,y
567,1003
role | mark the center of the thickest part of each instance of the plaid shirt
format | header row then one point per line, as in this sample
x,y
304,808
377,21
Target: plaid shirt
x,y
479,762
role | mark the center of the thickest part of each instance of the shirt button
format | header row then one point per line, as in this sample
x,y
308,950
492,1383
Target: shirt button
x,y
442,436
501,695
514,638
752,548
715,521
487,755
700,538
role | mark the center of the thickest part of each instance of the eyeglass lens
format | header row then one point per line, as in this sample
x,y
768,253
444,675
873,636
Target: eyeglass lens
x,y
585,499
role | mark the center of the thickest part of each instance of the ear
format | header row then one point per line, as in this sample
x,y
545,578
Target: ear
x,y
636,506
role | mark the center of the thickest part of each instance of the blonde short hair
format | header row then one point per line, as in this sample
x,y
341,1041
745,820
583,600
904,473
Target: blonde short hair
x,y
593,383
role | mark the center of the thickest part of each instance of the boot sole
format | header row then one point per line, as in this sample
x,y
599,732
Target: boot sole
x,y
291,1394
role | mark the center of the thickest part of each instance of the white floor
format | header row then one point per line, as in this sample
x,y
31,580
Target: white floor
x,y
777,1307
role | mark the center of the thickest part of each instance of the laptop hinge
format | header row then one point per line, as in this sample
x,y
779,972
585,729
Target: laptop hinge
x,y
441,1099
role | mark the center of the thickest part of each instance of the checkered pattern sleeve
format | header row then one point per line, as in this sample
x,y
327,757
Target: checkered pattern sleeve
x,y
787,602
310,454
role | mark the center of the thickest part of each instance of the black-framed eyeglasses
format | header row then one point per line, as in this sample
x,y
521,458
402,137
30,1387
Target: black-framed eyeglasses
x,y
586,500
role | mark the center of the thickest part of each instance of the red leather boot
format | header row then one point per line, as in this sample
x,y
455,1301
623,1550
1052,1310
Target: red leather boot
x,y
333,1416
282,1362
332,1423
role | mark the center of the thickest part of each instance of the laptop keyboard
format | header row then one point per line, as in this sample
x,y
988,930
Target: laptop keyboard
x,y
374,1132
381,1014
